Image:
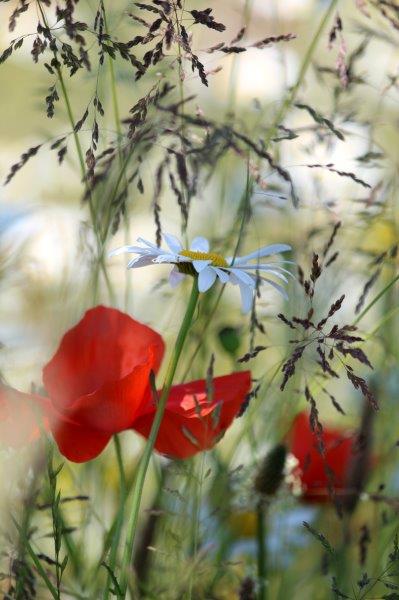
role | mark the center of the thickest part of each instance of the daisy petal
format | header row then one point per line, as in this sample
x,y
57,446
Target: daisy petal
x,y
175,278
126,249
267,267
223,276
149,244
200,244
243,277
140,261
277,287
165,258
206,279
200,265
173,242
276,274
265,251
246,297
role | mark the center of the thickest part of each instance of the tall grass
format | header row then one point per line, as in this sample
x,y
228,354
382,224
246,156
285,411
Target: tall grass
x,y
145,109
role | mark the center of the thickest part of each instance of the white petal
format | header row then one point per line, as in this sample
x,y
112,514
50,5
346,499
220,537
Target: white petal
x,y
140,261
243,277
200,244
175,277
148,244
165,258
277,287
179,258
276,274
265,251
200,265
127,249
272,267
247,296
206,279
173,243
223,276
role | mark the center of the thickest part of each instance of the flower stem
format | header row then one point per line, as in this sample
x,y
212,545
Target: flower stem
x,y
117,119
261,542
120,517
79,150
145,459
290,98
375,300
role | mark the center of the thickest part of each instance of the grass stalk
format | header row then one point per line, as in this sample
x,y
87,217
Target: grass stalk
x,y
120,517
261,550
376,299
145,460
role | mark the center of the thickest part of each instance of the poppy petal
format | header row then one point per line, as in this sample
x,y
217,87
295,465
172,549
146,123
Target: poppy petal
x,y
21,417
191,423
104,347
78,443
312,466
114,407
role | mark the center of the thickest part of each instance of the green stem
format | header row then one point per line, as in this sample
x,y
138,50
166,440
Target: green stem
x,y
375,300
117,119
383,321
120,518
145,459
72,122
289,100
278,119
82,164
261,554
37,562
244,206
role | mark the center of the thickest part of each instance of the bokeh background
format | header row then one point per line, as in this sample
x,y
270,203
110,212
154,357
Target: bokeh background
x,y
46,240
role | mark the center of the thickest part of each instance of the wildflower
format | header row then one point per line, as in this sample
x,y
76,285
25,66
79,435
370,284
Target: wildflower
x,y
97,380
209,266
319,474
19,417
98,385
191,421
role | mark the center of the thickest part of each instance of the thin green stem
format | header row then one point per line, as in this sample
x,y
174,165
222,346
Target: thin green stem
x,y
375,300
289,100
82,164
387,317
196,515
244,205
120,517
146,457
261,550
278,119
37,562
117,119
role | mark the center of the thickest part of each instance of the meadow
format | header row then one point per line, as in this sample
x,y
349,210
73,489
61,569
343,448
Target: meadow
x,y
199,331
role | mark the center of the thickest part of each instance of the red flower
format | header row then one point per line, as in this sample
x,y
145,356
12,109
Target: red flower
x,y
312,468
20,416
98,379
98,383
192,423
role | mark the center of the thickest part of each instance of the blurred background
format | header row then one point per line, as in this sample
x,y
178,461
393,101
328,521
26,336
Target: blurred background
x,y
47,243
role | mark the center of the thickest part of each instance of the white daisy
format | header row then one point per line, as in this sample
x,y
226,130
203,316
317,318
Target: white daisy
x,y
210,266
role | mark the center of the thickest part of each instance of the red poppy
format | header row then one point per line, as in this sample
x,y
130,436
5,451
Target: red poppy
x,y
313,468
192,423
97,380
19,417
98,383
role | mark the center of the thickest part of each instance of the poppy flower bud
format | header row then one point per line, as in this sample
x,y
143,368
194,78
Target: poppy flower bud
x,y
271,472
229,338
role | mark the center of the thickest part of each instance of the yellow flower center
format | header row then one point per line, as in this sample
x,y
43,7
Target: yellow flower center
x,y
216,259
